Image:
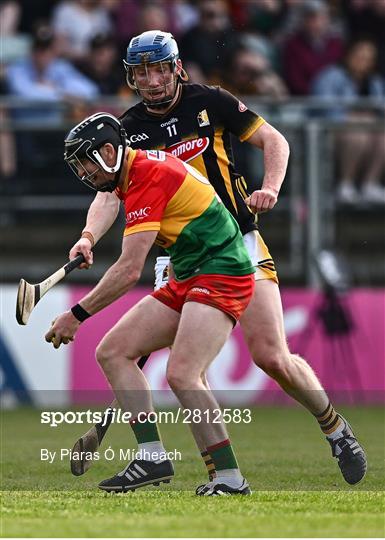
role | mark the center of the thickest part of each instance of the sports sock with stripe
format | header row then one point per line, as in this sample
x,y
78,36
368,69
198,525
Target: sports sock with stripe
x,y
225,462
209,464
330,422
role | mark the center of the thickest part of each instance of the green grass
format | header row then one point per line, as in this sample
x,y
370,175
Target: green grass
x,y
298,489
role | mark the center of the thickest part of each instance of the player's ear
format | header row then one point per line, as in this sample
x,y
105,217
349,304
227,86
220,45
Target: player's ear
x,y
108,153
179,66
180,71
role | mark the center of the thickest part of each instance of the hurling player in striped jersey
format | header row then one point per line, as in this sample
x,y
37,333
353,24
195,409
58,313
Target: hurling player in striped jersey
x,y
168,202
194,122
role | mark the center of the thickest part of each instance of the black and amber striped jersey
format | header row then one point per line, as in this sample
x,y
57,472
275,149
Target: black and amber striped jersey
x,y
197,130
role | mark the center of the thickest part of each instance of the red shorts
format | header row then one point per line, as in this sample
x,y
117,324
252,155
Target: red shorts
x,y
230,294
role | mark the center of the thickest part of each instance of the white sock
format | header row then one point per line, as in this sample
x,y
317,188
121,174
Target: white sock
x,y
230,477
337,433
151,451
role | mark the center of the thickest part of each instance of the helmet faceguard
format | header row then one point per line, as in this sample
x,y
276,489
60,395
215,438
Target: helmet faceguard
x,y
84,142
149,49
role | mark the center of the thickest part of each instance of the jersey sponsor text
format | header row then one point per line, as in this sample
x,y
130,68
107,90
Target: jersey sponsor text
x,y
200,290
137,214
188,150
172,121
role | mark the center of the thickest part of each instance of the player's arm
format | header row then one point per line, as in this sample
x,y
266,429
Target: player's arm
x,y
250,127
275,155
118,279
122,275
101,215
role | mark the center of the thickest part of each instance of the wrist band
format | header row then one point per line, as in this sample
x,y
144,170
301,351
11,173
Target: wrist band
x,y
80,313
89,236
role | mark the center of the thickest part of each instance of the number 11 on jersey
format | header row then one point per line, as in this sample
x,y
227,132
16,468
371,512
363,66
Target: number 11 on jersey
x,y
171,130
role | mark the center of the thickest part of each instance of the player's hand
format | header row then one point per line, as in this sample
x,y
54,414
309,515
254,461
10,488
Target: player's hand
x,y
63,329
82,247
262,200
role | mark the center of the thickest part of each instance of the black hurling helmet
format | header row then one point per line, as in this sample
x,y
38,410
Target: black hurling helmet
x,y
84,142
152,47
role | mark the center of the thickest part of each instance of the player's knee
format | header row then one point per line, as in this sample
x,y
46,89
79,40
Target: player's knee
x,y
178,378
273,360
174,378
277,367
108,350
102,354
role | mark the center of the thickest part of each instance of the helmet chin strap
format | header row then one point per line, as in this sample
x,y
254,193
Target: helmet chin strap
x,y
105,167
117,168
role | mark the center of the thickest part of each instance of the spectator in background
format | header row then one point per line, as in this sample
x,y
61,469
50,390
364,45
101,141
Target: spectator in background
x,y
43,76
262,16
132,16
48,81
250,73
7,140
293,15
246,73
310,49
76,22
367,18
152,15
124,17
103,66
14,45
359,150
34,13
185,15
205,47
266,17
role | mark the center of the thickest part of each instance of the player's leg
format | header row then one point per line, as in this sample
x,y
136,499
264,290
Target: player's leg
x,y
148,326
263,329
162,276
264,333
201,334
207,459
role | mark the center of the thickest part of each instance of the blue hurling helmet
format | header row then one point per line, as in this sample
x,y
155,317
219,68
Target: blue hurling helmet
x,y
148,48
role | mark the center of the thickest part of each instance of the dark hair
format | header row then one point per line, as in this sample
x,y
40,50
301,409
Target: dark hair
x,y
101,40
354,43
43,38
362,38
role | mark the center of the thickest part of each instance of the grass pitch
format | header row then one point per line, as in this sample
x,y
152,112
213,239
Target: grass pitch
x,y
297,486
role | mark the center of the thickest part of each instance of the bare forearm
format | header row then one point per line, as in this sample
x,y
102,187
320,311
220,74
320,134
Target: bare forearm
x,y
276,155
102,214
118,279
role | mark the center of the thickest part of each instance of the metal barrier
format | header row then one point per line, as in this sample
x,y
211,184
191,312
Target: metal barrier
x,y
305,220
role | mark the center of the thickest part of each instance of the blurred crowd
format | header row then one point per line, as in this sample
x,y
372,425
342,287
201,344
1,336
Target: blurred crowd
x,y
68,53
